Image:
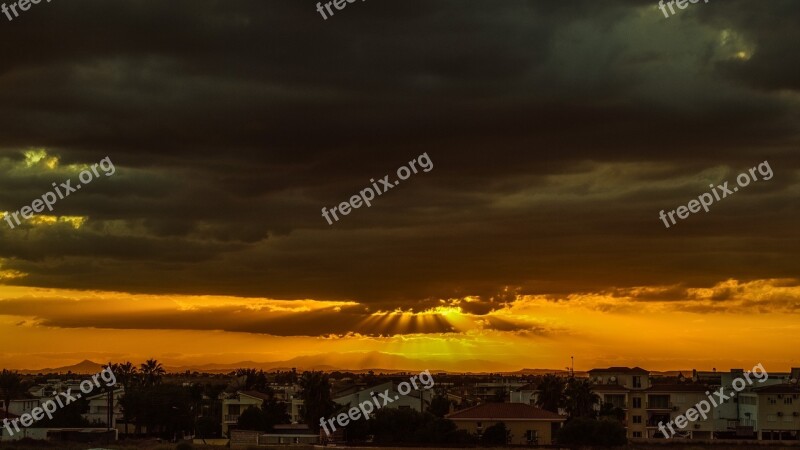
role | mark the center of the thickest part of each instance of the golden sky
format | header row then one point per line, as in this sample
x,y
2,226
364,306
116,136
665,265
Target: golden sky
x,y
730,325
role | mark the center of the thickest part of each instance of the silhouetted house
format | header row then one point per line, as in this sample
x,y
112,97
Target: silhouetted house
x,y
528,425
234,406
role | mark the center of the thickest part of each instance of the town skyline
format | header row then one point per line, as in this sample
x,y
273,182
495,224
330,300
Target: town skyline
x,y
418,183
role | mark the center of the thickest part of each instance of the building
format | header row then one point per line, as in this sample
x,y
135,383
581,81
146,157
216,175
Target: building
x,y
290,434
664,402
779,412
98,408
635,379
645,403
235,405
496,390
526,394
624,388
527,424
418,400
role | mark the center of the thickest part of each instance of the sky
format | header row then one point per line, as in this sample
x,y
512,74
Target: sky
x,y
556,132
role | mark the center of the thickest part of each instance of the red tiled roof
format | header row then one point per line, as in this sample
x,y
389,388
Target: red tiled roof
x,y
504,411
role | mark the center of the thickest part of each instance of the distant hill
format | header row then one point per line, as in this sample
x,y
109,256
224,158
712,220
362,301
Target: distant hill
x,y
354,362
351,362
84,367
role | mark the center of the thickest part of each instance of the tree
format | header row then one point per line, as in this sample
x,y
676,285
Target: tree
x,y
126,374
551,393
10,386
208,427
610,412
152,371
70,416
254,380
580,399
496,434
591,432
407,426
271,413
316,395
274,413
440,406
251,419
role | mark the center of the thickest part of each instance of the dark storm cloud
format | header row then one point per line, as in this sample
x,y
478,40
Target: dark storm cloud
x,y
144,315
775,65
557,130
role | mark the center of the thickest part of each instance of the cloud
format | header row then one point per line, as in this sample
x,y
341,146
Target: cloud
x,y
558,130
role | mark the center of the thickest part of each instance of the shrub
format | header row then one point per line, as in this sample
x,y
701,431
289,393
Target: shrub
x,y
592,432
496,434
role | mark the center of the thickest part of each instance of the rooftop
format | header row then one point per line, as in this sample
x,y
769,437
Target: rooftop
x,y
504,411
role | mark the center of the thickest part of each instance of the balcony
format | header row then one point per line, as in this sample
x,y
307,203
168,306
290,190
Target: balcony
x,y
616,401
653,423
659,406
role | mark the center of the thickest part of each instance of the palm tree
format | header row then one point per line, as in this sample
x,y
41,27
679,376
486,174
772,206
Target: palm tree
x,y
316,395
580,399
152,371
254,380
551,393
125,373
10,386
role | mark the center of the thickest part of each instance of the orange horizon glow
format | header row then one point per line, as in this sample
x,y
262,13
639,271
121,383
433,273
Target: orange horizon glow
x,y
631,327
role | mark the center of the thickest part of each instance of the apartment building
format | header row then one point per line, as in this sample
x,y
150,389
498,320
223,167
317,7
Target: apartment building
x,y
624,388
645,403
665,402
779,412
768,409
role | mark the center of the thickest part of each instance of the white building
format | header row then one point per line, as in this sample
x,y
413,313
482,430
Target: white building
x,y
418,400
234,406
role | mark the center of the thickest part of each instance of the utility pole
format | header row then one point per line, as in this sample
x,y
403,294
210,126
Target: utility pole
x,y
110,407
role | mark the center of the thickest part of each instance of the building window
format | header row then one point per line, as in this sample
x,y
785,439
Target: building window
x,y
772,400
637,434
771,418
680,399
787,401
637,402
637,419
637,381
531,437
